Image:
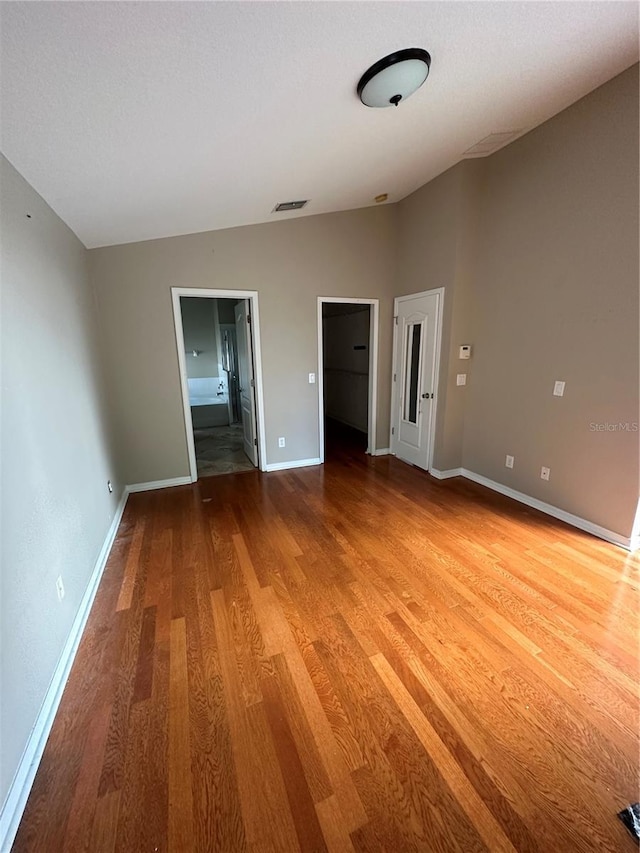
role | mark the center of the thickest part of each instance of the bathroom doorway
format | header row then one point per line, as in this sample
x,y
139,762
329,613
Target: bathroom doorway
x,y
218,358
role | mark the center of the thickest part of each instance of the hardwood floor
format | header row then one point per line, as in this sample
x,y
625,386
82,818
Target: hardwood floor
x,y
353,657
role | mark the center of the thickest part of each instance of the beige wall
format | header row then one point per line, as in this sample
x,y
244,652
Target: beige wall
x,y
290,264
555,296
537,249
55,454
436,238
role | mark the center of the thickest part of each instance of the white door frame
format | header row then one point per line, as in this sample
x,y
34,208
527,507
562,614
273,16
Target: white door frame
x,y
373,368
395,369
210,293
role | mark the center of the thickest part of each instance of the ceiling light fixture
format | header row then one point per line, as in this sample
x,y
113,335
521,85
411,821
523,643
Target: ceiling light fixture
x,y
394,78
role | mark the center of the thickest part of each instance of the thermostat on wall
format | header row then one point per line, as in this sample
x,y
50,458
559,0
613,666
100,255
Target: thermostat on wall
x,y
465,351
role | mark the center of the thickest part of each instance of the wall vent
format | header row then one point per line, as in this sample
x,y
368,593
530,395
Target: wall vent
x,y
289,205
491,143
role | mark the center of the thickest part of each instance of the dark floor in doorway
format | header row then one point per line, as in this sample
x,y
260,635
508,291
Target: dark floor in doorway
x,y
340,439
219,450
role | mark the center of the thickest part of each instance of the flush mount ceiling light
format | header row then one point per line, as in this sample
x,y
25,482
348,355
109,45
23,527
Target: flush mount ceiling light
x,y
394,78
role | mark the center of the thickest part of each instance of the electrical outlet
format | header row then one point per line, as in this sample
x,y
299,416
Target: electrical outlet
x,y
509,462
545,473
110,487
558,389
281,441
60,588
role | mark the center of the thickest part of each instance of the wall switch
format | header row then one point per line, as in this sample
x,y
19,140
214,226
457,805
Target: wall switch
x,y
558,389
60,588
281,441
465,351
545,473
110,487
312,379
509,461
461,379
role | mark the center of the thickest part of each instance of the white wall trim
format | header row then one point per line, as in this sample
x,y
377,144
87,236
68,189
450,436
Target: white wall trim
x,y
373,368
158,484
556,512
395,369
16,800
445,475
634,542
295,463
211,293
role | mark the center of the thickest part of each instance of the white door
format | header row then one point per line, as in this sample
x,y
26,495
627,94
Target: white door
x,y
415,378
245,378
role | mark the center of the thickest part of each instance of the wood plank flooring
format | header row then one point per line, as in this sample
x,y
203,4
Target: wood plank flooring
x,y
353,657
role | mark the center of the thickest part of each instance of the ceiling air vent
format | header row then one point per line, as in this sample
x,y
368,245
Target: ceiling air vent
x,y
491,143
289,205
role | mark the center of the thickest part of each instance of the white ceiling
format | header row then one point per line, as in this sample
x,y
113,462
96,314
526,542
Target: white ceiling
x,y
139,120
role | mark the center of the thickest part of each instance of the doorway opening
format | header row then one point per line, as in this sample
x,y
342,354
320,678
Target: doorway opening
x,y
416,363
217,336
347,380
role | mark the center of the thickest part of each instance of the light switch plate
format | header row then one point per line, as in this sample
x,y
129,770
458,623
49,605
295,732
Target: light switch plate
x,y
558,389
461,379
312,378
509,462
545,473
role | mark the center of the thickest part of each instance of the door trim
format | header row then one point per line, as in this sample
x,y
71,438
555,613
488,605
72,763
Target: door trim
x,y
395,422
373,368
212,293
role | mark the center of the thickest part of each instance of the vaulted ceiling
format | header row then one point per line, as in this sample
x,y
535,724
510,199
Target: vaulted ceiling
x,y
137,120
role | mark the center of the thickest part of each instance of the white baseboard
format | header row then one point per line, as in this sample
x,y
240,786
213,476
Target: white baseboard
x,y
296,463
381,451
446,474
158,484
18,793
556,512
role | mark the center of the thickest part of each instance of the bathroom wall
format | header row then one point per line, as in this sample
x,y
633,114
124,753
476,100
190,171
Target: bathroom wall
x,y
200,328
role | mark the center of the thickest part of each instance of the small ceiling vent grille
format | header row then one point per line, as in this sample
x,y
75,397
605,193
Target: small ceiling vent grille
x,y
491,143
289,205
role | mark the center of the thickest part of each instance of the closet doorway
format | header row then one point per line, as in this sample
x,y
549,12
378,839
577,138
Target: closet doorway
x,y
347,378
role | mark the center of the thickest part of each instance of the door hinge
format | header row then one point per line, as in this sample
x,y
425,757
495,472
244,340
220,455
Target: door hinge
x,y
255,441
253,383
248,318
396,319
394,377
393,430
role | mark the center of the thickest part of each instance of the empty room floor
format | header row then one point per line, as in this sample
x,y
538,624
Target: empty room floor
x,y
220,450
352,657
